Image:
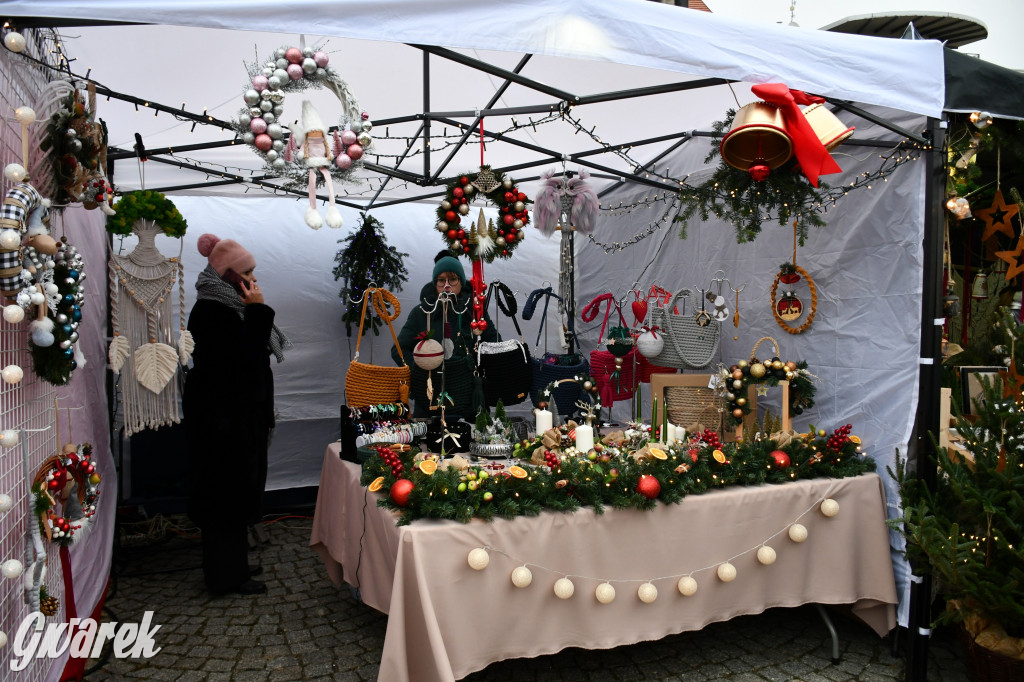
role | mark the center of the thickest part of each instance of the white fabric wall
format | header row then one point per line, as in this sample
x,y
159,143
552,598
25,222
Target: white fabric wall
x,y
866,263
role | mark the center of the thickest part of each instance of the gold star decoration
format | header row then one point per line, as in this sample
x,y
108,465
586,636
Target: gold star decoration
x,y
1013,259
998,217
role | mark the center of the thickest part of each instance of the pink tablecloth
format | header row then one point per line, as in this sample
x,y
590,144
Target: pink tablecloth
x,y
447,620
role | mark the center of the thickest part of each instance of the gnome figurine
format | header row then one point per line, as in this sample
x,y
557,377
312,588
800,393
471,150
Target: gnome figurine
x,y
311,138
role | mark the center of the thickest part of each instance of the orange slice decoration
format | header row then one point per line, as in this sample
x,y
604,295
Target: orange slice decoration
x,y
518,472
658,453
428,466
855,440
376,485
719,456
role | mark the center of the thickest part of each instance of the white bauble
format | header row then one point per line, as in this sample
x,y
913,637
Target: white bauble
x,y
12,569
3,639
605,593
26,115
766,555
10,240
647,593
522,576
14,41
9,438
726,572
564,588
12,374
797,533
5,503
14,313
687,586
15,172
428,354
478,559
829,507
650,344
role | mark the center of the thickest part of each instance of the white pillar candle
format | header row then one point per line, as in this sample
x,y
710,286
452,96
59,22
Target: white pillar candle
x,y
680,433
584,438
543,421
669,434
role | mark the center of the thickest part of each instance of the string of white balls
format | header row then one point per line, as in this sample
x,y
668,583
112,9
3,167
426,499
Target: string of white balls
x,y
522,576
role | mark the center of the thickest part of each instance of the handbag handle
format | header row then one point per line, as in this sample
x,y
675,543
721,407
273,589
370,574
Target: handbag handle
x,y
594,307
531,306
508,306
381,299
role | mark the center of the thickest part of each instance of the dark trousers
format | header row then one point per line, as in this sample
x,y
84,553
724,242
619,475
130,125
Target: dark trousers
x,y
225,555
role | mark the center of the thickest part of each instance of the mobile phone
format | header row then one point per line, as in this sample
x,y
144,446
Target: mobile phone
x,y
235,280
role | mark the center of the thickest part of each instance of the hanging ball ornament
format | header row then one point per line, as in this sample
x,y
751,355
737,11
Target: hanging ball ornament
x,y
14,313
12,374
726,572
26,116
355,151
766,555
321,58
647,593
9,438
308,65
10,240
829,507
428,354
14,41
605,593
478,558
506,183
15,172
564,588
343,161
293,55
797,533
263,142
687,586
5,503
12,569
364,139
757,370
780,458
522,576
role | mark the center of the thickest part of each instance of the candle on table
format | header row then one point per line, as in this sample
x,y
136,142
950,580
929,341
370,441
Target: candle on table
x,y
664,419
654,415
670,432
680,434
584,437
543,421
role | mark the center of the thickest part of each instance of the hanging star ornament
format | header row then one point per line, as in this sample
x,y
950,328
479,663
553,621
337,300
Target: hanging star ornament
x,y
998,217
1013,259
1012,383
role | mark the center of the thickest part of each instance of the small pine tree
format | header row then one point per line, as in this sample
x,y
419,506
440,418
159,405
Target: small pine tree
x,y
499,411
367,260
483,420
968,532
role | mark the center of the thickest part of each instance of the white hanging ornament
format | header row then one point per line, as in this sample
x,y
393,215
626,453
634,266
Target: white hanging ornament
x,y
797,533
687,586
15,172
12,569
14,41
5,503
13,313
829,507
766,555
12,374
3,639
428,354
726,572
26,116
478,559
10,240
9,438
650,344
647,593
522,576
564,588
605,593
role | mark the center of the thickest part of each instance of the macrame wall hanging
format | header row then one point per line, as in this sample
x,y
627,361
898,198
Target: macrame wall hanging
x,y
142,316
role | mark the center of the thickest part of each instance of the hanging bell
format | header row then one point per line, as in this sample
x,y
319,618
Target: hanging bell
x,y
979,288
830,131
758,141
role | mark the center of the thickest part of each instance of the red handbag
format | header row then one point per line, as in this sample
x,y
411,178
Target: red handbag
x,y
613,370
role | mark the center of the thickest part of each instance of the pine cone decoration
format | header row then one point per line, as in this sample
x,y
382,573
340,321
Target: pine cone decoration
x,y
48,605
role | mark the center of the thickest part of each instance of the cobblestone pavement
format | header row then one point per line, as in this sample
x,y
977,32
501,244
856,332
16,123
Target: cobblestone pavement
x,y
304,629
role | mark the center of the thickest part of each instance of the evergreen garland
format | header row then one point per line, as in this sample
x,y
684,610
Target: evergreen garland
x,y
733,195
367,259
610,479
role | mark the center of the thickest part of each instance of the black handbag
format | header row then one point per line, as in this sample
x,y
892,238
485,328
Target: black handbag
x,y
505,366
551,367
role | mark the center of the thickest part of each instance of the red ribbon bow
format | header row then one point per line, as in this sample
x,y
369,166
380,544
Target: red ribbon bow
x,y
653,330
810,153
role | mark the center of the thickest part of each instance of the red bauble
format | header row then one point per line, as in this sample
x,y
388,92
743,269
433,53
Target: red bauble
x,y
648,486
464,180
453,234
450,216
465,241
508,219
400,490
458,192
465,249
509,197
760,172
462,234
521,197
780,458
482,325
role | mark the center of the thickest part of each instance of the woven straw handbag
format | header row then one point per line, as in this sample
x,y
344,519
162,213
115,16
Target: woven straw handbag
x,y
371,384
506,367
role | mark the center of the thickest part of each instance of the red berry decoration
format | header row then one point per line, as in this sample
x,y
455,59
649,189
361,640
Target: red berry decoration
x,y
648,486
400,491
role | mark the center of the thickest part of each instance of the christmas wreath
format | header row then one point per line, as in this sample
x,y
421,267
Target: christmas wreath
x,y
734,382
292,69
789,308
77,142
147,205
71,480
483,242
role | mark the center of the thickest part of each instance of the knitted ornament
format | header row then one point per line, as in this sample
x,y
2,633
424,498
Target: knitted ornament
x,y
225,254
428,354
650,343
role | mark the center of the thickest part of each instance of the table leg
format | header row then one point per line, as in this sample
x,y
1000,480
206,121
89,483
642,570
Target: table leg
x,y
832,631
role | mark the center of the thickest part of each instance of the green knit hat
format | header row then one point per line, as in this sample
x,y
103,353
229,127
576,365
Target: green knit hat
x,y
449,264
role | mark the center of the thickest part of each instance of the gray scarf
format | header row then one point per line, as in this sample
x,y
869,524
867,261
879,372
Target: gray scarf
x,y
212,288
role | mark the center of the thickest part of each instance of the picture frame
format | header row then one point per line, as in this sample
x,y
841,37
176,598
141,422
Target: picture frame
x,y
971,386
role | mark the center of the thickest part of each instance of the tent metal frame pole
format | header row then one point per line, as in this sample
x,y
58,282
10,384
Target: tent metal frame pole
x,y
928,406
426,120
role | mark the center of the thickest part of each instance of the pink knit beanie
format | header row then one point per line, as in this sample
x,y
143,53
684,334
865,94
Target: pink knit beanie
x,y
225,254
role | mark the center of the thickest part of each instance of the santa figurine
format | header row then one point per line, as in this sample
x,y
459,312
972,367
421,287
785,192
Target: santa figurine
x,y
312,148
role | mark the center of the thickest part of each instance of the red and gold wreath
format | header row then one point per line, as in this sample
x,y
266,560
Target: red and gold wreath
x,y
71,481
496,240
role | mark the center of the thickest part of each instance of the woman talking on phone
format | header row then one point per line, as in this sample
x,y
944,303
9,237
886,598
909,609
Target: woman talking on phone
x,y
228,405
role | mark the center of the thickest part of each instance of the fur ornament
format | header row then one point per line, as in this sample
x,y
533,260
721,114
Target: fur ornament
x,y
547,209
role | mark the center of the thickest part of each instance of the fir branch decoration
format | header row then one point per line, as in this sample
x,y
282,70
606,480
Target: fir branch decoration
x,y
366,260
731,194
146,205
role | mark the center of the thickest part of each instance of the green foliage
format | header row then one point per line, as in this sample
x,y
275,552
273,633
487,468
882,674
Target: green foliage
x,y
367,260
968,532
733,195
690,469
499,411
145,204
483,420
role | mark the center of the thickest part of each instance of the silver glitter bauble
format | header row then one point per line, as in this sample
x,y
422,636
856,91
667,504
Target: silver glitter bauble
x,y
272,154
506,183
278,109
277,97
256,112
251,97
367,126
280,52
308,65
274,83
62,318
65,344
248,138
321,73
75,145
281,75
517,223
281,63
278,164
518,206
244,120
464,209
266,105
364,139
275,131
70,281
265,94
268,71
445,205
277,145
269,117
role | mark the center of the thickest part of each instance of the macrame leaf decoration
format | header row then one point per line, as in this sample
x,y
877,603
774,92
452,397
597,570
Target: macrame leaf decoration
x,y
155,364
118,353
186,344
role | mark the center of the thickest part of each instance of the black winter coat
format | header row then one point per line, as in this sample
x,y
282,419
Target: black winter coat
x,y
228,405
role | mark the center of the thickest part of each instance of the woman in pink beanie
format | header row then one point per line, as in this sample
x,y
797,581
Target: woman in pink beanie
x,y
229,411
